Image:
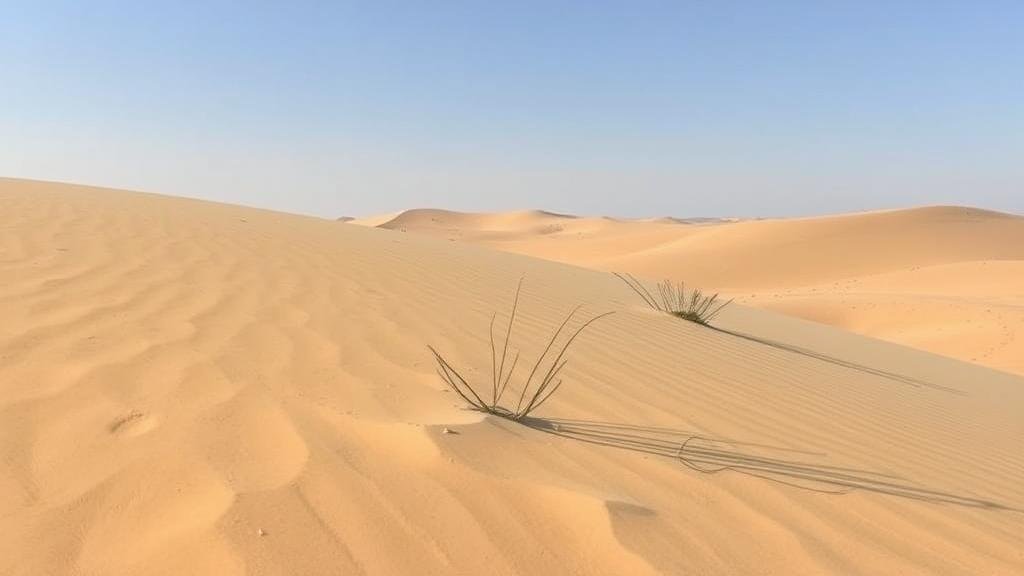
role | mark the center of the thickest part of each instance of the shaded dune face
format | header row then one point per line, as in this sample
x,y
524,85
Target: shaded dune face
x,y
948,280
196,388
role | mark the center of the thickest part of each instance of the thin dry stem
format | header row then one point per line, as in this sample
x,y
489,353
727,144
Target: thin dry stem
x,y
533,396
695,306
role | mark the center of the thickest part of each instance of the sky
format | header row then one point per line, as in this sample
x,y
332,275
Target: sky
x,y
633,109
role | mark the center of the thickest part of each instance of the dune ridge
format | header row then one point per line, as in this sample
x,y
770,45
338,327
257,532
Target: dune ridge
x,y
191,388
924,277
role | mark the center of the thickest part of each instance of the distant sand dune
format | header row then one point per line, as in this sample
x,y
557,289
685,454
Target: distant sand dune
x,y
197,388
945,279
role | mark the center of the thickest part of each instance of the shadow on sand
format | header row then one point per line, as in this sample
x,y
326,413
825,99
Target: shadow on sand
x,y
916,382
786,466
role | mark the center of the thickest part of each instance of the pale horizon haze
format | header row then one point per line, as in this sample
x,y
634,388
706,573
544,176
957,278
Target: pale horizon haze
x,y
629,109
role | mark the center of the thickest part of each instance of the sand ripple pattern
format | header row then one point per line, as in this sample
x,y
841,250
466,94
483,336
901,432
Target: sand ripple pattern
x,y
195,388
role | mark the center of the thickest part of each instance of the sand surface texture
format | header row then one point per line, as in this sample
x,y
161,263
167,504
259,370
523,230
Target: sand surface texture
x,y
196,388
944,279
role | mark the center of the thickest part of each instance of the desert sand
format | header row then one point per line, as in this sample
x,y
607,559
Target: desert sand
x,y
197,388
948,280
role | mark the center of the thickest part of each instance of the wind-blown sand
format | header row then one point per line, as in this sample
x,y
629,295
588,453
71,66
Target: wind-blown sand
x,y
943,279
196,388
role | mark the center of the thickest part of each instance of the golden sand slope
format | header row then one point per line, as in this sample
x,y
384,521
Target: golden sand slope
x,y
195,388
947,280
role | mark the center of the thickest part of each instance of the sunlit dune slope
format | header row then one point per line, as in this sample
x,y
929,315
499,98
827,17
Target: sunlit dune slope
x,y
197,388
945,279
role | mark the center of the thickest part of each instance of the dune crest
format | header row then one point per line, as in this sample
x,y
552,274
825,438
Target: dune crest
x,y
197,388
899,275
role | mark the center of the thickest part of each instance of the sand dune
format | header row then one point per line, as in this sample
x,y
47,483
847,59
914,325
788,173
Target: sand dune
x,y
498,225
948,280
197,388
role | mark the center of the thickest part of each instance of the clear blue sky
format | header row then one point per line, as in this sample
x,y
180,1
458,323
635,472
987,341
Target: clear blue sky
x,y
620,108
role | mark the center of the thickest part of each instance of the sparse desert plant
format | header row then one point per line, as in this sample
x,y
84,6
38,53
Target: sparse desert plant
x,y
532,394
673,299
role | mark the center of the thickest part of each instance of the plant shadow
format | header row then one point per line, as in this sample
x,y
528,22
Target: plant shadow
x,y
783,465
703,309
916,382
